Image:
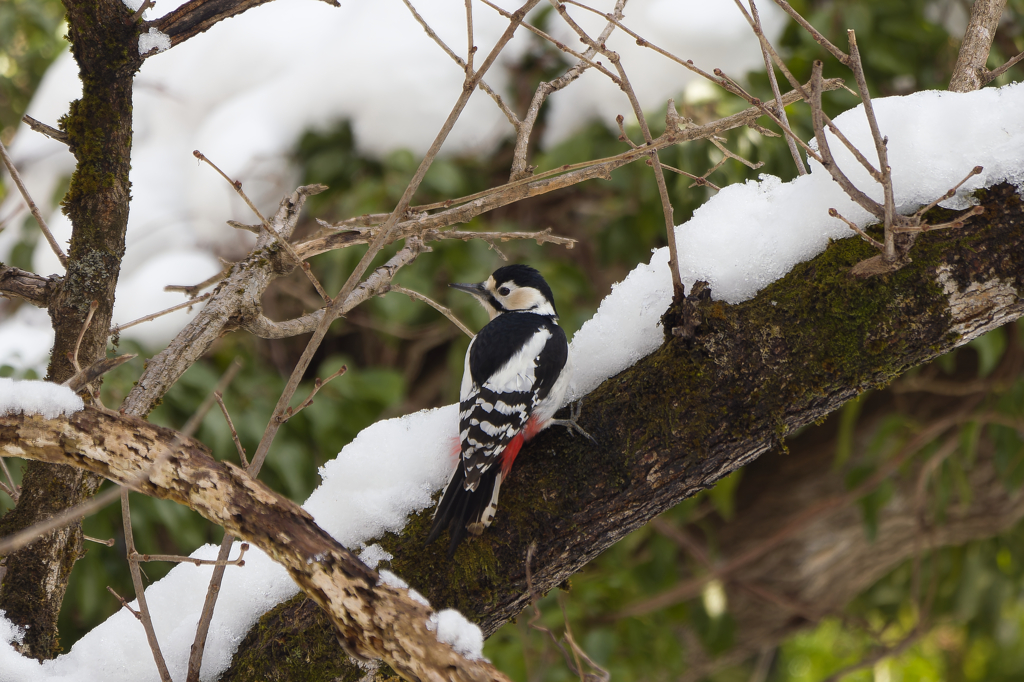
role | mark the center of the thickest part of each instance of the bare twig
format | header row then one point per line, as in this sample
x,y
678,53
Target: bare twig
x,y
989,76
109,542
192,290
234,433
659,175
237,185
950,193
821,40
177,558
466,66
32,206
73,356
124,603
133,557
447,312
957,222
13,490
880,148
470,47
317,385
98,368
140,589
42,128
698,180
118,328
755,23
520,168
863,235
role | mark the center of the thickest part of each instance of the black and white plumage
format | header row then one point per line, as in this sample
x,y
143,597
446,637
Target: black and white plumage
x,y
516,374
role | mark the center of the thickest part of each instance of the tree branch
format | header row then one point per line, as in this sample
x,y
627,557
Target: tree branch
x,y
373,620
27,286
693,411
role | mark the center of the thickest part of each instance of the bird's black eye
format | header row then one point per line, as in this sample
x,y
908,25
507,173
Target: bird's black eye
x,y
504,291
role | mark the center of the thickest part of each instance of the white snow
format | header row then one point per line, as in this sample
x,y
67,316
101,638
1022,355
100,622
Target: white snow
x,y
373,554
453,628
154,40
37,397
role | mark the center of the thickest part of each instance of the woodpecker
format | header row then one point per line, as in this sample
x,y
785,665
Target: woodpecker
x,y
516,373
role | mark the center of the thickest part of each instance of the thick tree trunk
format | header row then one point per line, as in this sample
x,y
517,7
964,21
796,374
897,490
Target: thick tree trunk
x,y
99,126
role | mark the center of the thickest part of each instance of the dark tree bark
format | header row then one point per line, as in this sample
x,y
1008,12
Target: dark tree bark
x,y
104,42
689,414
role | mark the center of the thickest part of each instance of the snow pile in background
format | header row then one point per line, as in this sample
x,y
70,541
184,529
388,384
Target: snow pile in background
x,y
37,397
243,94
453,628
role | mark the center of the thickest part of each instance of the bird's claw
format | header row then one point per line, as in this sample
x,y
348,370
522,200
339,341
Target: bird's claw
x,y
572,424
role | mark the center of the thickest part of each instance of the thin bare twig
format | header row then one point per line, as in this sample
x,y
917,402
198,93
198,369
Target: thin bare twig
x,y
659,175
470,47
821,40
317,385
989,76
950,193
880,148
118,328
14,491
97,369
192,290
42,128
466,67
177,558
237,185
447,312
73,356
234,433
109,542
140,589
124,603
863,235
755,23
32,206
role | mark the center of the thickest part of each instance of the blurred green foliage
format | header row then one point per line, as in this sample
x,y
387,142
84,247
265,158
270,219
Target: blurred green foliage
x,y
401,355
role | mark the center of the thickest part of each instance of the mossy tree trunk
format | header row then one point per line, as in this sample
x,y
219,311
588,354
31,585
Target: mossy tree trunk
x,y
104,41
686,416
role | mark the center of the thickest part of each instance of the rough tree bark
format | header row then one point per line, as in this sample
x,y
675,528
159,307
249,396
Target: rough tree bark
x,y
99,128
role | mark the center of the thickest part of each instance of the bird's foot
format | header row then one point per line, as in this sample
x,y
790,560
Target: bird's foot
x,y
572,424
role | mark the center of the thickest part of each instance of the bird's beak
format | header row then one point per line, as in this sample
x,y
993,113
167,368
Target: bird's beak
x,y
477,289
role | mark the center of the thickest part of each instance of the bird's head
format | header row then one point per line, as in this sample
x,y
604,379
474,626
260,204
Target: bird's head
x,y
512,289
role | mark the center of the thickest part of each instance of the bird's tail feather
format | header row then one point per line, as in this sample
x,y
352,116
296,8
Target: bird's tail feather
x,y
460,508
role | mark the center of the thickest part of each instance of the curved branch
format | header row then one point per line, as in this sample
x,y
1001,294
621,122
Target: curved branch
x,y
373,620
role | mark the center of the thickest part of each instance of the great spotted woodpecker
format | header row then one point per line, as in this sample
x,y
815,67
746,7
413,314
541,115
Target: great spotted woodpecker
x,y
516,374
